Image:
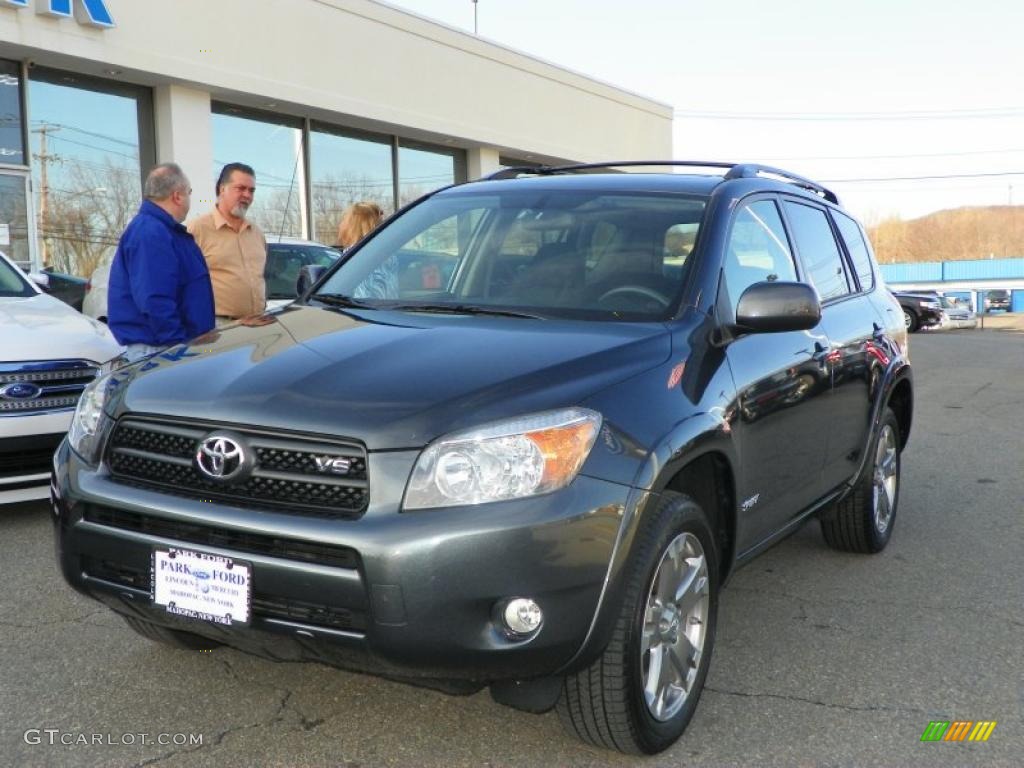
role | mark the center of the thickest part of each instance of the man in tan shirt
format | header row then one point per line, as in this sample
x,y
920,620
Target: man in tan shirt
x,y
234,248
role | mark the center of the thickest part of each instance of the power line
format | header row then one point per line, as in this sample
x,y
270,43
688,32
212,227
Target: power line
x,y
925,178
953,114
896,157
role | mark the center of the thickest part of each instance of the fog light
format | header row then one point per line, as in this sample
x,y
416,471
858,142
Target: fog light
x,y
522,616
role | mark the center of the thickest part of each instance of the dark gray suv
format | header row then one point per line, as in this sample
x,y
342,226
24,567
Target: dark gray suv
x,y
519,438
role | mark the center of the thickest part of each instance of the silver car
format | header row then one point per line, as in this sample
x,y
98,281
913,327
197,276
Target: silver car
x,y
956,315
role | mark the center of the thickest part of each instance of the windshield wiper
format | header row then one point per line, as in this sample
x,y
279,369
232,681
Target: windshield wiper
x,y
464,309
340,300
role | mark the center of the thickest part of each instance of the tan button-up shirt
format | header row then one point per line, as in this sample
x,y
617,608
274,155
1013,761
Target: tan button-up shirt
x,y
236,261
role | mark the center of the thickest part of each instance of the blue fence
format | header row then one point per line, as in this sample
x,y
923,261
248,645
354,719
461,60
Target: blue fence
x,y
931,271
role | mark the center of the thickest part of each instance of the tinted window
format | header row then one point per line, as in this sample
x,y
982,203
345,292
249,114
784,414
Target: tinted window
x,y
284,262
857,247
758,249
818,250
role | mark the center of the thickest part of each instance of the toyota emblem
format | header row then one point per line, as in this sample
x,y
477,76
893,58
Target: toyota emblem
x,y
220,457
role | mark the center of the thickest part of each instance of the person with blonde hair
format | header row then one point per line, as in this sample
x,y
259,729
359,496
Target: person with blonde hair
x,y
359,220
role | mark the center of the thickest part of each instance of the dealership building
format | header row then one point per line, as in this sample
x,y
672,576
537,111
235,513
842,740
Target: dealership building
x,y
331,101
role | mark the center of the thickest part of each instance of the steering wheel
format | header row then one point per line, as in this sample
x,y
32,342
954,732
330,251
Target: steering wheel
x,y
638,290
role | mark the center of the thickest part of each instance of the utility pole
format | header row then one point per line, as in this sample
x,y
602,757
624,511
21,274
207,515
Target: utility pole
x,y
475,28
44,158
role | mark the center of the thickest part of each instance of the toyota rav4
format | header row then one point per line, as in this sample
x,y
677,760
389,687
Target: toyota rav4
x,y
518,438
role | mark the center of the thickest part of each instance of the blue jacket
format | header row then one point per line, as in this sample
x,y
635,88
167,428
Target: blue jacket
x,y
159,291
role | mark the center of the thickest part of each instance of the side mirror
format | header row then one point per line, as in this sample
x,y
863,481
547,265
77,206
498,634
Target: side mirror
x,y
41,279
308,276
774,307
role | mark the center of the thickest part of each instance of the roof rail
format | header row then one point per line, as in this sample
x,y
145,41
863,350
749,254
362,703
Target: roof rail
x,y
548,170
735,171
753,170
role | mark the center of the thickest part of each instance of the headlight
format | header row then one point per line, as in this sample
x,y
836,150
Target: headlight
x,y
930,304
86,432
510,459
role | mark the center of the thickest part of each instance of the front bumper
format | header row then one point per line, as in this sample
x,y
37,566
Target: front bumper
x,y
27,444
402,594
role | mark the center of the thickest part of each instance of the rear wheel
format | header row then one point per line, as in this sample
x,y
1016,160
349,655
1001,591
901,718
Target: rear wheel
x,y
172,637
910,320
863,521
639,696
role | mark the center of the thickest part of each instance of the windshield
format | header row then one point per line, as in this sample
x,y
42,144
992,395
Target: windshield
x,y
284,260
12,283
564,253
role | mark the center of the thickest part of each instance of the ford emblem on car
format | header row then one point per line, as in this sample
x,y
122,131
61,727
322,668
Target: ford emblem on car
x,y
20,390
221,457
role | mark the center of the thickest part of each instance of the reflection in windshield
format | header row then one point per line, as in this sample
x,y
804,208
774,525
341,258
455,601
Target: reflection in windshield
x,y
565,253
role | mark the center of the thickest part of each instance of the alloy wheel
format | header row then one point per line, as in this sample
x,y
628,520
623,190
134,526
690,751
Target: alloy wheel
x,y
886,478
675,627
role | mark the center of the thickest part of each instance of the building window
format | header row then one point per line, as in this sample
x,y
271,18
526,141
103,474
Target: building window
x,y
91,140
12,139
347,168
422,169
273,146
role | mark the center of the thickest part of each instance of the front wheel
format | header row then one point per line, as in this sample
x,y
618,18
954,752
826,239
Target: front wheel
x,y
863,521
639,696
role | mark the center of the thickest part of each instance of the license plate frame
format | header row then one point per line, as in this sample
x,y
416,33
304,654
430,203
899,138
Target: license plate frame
x,y
201,586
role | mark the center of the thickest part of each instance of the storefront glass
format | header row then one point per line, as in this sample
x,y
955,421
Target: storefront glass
x,y
422,169
272,145
90,141
346,169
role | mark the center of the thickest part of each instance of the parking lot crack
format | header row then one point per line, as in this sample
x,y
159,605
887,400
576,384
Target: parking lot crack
x,y
57,622
813,702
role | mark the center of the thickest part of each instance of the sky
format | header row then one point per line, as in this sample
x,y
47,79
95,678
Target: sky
x,y
902,107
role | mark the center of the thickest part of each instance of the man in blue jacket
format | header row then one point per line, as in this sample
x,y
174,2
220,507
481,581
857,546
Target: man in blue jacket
x,y
160,292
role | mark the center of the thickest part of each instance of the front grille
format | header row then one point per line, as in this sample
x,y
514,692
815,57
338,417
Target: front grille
x,y
53,385
264,605
225,538
284,473
30,455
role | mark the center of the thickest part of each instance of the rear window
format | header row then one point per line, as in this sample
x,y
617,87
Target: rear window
x,y
857,247
818,250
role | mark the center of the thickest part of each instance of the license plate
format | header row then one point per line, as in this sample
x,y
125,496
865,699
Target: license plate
x,y
201,586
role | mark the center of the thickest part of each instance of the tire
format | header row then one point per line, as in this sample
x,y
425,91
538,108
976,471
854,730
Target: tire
x,y
911,321
608,704
172,637
863,521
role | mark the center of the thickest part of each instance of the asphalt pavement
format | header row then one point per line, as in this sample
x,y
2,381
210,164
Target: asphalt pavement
x,y
823,659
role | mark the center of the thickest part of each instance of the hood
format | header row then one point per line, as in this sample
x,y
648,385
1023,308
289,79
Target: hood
x,y
41,327
390,379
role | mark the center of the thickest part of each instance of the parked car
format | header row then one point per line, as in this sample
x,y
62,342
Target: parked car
x,y
67,288
285,257
535,475
48,354
955,315
997,298
95,302
920,310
